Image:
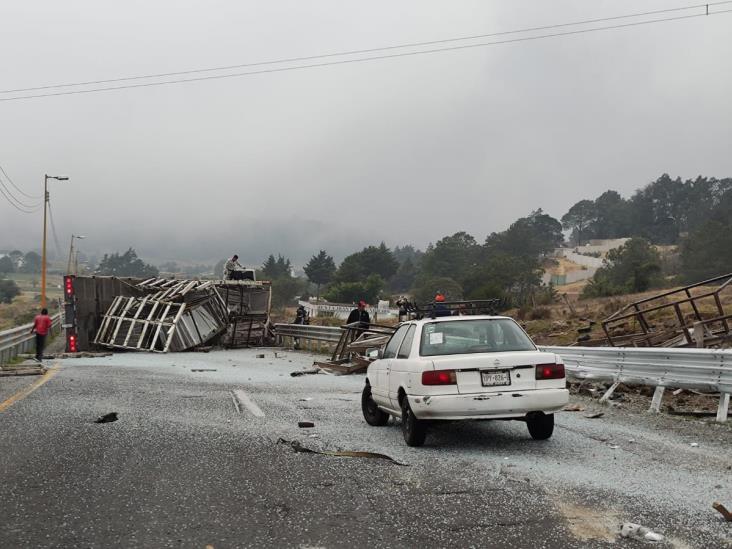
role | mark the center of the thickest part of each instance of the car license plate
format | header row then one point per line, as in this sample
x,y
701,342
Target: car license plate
x,y
493,378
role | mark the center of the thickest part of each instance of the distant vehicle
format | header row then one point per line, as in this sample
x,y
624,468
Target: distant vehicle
x,y
459,368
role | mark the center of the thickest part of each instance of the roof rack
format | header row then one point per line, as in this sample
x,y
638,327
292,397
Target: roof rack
x,y
450,308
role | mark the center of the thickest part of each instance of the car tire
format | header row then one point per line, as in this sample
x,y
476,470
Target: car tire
x,y
371,412
541,425
413,429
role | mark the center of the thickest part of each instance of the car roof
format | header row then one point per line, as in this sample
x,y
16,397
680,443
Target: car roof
x,y
457,319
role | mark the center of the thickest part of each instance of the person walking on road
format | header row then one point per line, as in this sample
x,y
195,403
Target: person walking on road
x,y
41,327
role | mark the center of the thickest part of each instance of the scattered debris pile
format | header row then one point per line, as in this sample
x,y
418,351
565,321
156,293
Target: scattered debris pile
x,y
349,355
178,315
692,316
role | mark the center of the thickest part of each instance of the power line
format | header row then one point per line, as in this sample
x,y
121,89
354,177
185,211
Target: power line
x,y
32,197
3,190
363,59
365,51
15,200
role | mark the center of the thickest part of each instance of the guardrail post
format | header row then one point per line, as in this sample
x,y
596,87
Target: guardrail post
x,y
657,398
609,392
723,407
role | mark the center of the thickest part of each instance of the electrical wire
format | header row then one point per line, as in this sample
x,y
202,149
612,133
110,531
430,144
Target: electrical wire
x,y
32,197
16,201
363,59
13,204
370,50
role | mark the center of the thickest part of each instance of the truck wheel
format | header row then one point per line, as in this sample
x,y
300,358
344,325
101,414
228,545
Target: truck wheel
x,y
541,425
413,429
371,412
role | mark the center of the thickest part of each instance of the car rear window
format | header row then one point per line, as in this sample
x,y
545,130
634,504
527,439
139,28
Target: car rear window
x,y
473,336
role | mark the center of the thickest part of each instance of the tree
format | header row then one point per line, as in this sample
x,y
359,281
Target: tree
x,y
631,268
320,270
612,216
405,277
371,260
579,219
350,292
532,236
6,265
31,263
451,257
707,251
284,290
426,291
274,269
126,264
407,253
17,257
8,290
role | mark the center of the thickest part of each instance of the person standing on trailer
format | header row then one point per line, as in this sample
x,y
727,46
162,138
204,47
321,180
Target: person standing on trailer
x,y
230,266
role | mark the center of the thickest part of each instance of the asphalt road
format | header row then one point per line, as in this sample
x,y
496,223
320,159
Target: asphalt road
x,y
195,460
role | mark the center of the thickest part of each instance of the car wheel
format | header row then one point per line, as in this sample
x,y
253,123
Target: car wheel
x,y
371,412
541,425
413,429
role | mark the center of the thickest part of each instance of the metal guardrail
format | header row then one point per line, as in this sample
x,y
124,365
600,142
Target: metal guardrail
x,y
328,334
20,340
684,368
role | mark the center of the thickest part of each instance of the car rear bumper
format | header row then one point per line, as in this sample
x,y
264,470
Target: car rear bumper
x,y
513,404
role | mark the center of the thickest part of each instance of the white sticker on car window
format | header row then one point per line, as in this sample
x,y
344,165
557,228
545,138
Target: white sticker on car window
x,y
436,338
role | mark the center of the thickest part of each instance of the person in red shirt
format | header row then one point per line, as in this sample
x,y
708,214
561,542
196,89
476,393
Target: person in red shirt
x,y
41,327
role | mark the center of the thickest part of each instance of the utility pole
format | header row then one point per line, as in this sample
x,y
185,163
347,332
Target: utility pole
x,y
73,261
43,254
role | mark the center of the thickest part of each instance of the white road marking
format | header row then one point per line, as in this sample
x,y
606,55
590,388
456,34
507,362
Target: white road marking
x,y
248,403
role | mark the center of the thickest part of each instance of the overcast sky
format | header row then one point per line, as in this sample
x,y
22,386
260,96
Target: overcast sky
x,y
405,150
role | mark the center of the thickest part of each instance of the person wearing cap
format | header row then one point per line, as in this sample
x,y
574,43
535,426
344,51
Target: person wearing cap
x,y
440,308
360,314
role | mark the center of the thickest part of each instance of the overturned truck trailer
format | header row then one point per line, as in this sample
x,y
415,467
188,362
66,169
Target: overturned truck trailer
x,y
162,315
170,315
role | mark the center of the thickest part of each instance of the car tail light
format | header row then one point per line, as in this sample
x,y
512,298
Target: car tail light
x,y
439,377
69,285
72,343
550,371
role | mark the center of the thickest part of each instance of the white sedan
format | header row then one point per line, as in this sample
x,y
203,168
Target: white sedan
x,y
467,367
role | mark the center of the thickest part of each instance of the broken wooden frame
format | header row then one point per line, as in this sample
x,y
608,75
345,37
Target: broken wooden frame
x,y
175,315
689,325
354,341
249,305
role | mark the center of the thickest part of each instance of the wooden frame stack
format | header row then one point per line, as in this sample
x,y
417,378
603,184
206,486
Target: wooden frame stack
x,y
171,315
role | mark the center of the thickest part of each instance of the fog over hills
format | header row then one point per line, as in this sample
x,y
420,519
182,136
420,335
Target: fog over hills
x,y
404,150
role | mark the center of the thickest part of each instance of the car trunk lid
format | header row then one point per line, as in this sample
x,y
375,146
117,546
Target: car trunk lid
x,y
495,372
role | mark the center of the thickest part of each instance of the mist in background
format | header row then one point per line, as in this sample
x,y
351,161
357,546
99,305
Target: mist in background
x,y
403,150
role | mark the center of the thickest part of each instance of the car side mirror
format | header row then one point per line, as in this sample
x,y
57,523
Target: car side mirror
x,y
374,354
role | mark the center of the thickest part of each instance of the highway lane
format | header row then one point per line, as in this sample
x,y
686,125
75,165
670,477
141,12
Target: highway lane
x,y
194,461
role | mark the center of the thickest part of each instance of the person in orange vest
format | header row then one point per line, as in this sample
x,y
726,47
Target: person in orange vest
x,y
41,327
440,308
